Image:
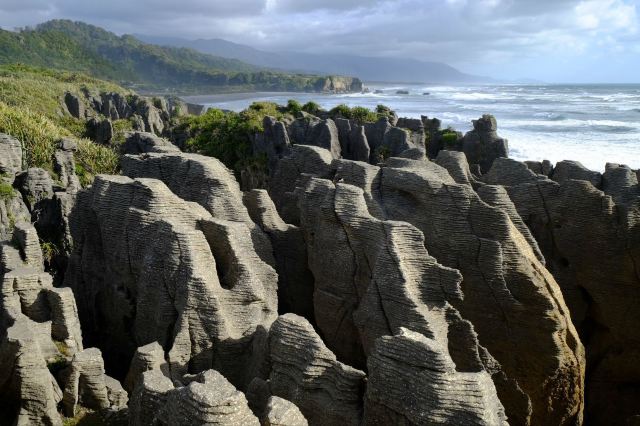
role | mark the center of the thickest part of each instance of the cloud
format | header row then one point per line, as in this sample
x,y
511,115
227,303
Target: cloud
x,y
541,38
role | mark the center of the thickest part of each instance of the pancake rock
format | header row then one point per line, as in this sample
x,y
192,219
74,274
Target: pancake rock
x,y
205,399
308,374
150,267
39,329
376,278
408,373
513,302
591,242
203,180
482,145
295,281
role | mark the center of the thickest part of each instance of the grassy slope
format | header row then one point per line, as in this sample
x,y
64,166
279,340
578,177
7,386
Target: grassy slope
x,y
30,110
75,46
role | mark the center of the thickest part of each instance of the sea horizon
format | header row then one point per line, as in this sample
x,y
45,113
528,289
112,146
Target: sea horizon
x,y
594,124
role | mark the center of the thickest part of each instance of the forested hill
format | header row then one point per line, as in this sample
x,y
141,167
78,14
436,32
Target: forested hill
x,y
76,46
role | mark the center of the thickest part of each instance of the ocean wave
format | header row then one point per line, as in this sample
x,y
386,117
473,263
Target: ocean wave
x,y
477,96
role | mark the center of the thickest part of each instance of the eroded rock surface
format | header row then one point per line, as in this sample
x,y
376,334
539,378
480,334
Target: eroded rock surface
x,y
504,281
591,242
131,235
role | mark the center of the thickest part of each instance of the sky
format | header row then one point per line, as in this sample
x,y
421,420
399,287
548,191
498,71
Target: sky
x,y
548,40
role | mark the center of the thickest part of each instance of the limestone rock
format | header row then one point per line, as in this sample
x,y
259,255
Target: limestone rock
x,y
456,164
11,159
591,244
273,142
35,185
64,164
325,135
65,326
408,373
375,133
385,280
303,159
208,400
501,274
100,130
87,384
204,180
12,211
295,281
25,381
543,167
150,115
353,140
142,142
482,145
575,170
75,105
148,400
216,292
280,412
306,373
147,358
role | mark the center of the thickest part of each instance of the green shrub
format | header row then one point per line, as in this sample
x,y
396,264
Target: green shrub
x,y
40,136
360,114
293,106
363,115
6,190
49,250
224,135
311,107
449,139
341,110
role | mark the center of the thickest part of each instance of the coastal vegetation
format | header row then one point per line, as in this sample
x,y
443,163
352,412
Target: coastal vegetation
x,y
31,110
79,47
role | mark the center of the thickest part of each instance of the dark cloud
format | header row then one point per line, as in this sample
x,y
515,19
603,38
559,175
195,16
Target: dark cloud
x,y
543,38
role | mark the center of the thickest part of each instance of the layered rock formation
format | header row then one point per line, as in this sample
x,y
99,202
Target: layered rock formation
x,y
40,329
131,235
504,281
409,291
587,227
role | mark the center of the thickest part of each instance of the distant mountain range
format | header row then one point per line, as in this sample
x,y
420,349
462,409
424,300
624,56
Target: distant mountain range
x,y
76,46
365,67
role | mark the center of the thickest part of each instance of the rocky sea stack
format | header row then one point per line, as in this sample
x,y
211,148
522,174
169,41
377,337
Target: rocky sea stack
x,y
372,271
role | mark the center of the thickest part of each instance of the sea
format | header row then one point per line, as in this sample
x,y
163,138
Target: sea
x,y
593,124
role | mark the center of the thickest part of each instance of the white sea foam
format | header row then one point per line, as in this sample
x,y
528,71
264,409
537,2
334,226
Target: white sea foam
x,y
591,124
